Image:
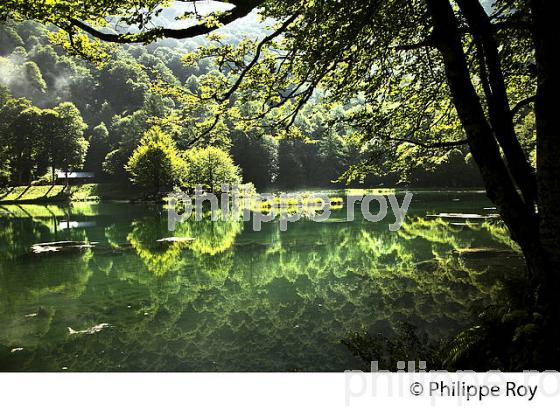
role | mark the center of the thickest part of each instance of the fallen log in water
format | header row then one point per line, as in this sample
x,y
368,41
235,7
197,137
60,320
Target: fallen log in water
x,y
175,239
451,215
89,331
79,246
61,246
483,252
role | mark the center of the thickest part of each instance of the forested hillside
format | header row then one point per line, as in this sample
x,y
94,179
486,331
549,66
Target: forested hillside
x,y
62,112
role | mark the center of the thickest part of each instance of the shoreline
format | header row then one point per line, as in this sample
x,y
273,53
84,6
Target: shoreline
x,y
102,192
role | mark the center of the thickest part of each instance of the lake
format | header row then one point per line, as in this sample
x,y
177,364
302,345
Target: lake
x,y
233,299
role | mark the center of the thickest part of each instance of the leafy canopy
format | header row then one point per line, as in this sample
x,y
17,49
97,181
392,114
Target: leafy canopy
x,y
210,168
379,54
156,163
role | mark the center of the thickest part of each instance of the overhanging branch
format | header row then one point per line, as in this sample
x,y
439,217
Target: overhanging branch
x,y
256,57
520,104
241,10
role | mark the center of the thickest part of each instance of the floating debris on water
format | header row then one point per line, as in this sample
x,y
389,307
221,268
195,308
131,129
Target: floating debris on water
x,y
451,215
50,247
175,239
17,349
90,331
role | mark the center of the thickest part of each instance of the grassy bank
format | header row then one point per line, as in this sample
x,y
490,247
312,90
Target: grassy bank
x,y
60,193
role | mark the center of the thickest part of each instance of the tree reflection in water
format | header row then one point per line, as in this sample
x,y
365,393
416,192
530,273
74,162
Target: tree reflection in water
x,y
234,299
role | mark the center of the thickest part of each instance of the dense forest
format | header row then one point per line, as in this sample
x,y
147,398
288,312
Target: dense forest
x,y
61,112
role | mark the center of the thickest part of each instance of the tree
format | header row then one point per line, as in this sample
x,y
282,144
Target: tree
x,y
34,139
126,131
156,164
211,168
45,139
5,96
64,142
9,39
29,81
19,126
114,164
123,83
291,172
125,134
193,84
257,156
98,148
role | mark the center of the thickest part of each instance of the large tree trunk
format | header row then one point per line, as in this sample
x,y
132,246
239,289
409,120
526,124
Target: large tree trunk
x,y
520,218
547,110
545,31
499,114
538,234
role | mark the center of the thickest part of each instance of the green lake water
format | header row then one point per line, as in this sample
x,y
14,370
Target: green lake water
x,y
234,299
